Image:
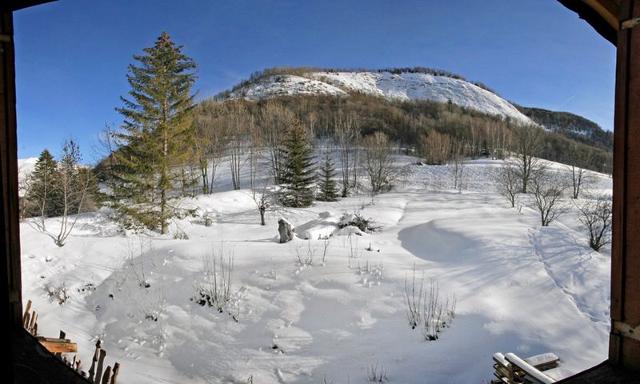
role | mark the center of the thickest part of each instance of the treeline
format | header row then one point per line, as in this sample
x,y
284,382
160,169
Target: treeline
x,y
427,129
572,126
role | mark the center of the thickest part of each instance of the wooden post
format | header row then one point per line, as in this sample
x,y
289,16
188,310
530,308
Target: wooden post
x,y
9,217
94,362
62,337
116,369
103,354
624,345
106,376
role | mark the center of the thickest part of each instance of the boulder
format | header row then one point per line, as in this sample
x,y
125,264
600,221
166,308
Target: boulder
x,y
285,229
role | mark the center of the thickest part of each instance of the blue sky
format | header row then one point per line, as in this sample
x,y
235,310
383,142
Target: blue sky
x,y
72,55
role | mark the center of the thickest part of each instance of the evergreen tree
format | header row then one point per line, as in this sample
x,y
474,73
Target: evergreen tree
x,y
157,133
42,194
327,184
298,176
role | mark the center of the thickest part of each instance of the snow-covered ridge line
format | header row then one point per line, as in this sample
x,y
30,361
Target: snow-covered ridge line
x,y
405,86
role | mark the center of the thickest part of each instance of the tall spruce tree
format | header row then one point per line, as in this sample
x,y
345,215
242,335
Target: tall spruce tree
x,y
327,185
42,194
299,176
157,133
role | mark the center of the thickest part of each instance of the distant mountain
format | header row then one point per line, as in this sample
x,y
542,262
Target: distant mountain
x,y
405,84
572,126
407,104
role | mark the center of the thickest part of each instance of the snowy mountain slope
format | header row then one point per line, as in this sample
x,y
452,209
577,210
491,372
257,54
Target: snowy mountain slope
x,y
519,288
286,85
423,86
405,86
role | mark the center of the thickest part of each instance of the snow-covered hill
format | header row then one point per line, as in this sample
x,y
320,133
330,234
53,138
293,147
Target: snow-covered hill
x,y
519,287
398,86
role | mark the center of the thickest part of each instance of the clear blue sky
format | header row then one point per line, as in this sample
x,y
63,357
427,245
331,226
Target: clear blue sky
x,y
72,55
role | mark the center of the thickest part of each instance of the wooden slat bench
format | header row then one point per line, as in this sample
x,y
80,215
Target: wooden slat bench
x,y
511,369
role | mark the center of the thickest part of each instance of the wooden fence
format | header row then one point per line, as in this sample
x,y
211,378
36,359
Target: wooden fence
x,y
61,347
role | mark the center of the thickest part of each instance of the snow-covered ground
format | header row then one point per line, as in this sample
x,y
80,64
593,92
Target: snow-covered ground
x,y
400,86
519,288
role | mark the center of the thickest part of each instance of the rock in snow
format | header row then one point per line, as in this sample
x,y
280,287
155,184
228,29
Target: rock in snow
x,y
285,229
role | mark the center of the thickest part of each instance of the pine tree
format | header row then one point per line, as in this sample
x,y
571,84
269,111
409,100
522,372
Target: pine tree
x,y
41,196
298,177
157,133
327,184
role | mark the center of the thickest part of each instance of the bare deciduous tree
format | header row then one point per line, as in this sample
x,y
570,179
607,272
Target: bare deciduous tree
x,y
528,142
238,127
74,184
595,215
579,176
547,197
457,163
436,147
347,133
274,121
211,142
508,182
263,200
378,162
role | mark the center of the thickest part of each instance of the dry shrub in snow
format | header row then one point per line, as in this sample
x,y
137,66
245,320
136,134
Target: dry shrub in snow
x,y
508,182
427,307
547,197
372,274
58,294
136,250
595,216
357,220
437,312
180,235
304,255
413,294
377,374
214,290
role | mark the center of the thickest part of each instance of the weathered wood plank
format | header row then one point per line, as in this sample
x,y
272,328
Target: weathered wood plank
x,y
103,354
116,370
59,346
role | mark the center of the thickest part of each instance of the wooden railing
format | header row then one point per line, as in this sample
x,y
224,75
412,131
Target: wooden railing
x,y
511,369
61,347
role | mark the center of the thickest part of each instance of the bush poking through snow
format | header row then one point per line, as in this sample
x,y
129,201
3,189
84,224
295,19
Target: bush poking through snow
x,y
326,381
436,313
359,221
325,248
413,294
547,197
595,216
377,374
428,307
180,235
371,273
215,288
135,256
58,294
304,255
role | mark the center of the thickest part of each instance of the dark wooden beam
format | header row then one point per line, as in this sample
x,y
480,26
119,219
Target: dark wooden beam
x,y
10,275
14,5
9,233
624,345
600,14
